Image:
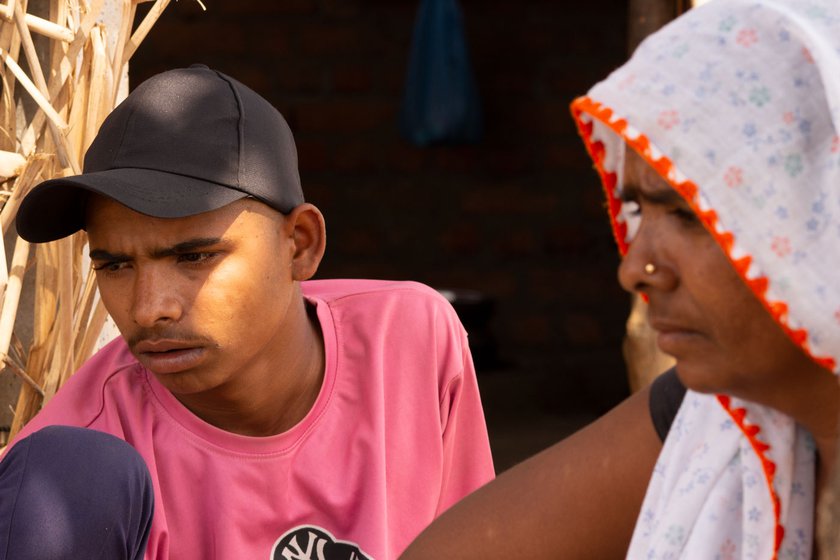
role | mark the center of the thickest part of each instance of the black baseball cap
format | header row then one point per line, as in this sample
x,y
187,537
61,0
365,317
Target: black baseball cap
x,y
183,142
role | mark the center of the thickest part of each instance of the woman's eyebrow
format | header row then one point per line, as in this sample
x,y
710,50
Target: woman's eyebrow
x,y
665,196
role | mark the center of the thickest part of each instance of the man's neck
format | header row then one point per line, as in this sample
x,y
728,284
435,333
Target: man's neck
x,y
277,399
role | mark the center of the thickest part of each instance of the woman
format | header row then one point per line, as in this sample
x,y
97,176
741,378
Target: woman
x,y
718,148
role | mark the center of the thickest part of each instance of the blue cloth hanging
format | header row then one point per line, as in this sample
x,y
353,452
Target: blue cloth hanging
x,y
441,103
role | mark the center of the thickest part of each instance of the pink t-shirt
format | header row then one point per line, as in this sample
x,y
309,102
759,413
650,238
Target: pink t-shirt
x,y
395,436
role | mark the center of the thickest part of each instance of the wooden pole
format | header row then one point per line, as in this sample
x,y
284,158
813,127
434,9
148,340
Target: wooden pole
x,y
646,16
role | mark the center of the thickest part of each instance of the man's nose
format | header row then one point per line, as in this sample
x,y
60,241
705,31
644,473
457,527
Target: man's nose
x,y
155,299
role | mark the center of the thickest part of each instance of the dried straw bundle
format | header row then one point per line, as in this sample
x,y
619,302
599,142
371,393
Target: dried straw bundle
x,y
60,60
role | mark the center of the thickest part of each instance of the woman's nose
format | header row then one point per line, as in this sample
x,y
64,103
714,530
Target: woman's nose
x,y
646,266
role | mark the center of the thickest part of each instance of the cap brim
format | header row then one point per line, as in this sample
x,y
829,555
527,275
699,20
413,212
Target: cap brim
x,y
56,208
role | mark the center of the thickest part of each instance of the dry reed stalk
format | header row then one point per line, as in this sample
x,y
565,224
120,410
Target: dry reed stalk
x,y
60,336
30,175
11,296
32,89
117,63
38,25
73,89
58,128
66,68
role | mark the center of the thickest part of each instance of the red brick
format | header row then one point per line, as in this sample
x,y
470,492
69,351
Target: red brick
x,y
564,155
582,329
569,81
404,157
455,158
393,79
544,117
593,202
461,239
318,193
498,283
509,199
313,155
254,76
538,40
334,40
174,37
270,39
354,156
300,78
530,329
587,283
262,7
360,242
340,8
502,79
509,160
568,238
344,116
352,78
517,243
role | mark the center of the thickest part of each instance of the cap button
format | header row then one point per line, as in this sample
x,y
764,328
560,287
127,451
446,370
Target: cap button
x,y
201,66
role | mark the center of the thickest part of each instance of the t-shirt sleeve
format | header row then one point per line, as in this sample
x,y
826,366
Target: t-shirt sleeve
x,y
666,396
467,461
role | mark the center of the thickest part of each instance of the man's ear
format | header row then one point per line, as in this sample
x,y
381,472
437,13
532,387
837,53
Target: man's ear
x,y
306,226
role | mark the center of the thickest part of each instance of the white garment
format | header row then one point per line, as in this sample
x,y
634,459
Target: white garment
x,y
737,105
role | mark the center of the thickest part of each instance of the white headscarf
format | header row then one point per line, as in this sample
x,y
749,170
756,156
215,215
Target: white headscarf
x,y
737,105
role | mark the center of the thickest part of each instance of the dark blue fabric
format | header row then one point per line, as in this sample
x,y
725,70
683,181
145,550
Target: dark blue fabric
x,y
441,103
72,493
664,401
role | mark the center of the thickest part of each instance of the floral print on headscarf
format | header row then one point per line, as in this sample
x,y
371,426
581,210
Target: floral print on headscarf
x,y
737,105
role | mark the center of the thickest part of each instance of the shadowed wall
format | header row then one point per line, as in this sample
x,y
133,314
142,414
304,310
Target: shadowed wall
x,y
518,217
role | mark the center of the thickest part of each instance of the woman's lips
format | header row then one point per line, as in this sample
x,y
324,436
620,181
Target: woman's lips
x,y
672,338
165,357
673,342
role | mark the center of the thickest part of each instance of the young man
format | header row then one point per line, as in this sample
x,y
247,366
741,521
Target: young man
x,y
278,419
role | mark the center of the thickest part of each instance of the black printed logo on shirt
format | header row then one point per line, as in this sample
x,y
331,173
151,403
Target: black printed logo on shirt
x,y
314,543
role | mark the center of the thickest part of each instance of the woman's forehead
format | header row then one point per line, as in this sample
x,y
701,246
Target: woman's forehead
x,y
641,179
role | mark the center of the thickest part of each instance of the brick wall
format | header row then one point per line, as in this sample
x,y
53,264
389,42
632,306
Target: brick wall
x,y
518,218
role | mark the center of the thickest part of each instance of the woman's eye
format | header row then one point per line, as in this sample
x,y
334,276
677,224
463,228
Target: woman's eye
x,y
685,215
631,208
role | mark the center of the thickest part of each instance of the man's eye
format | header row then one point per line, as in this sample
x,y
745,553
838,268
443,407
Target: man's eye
x,y
111,266
194,257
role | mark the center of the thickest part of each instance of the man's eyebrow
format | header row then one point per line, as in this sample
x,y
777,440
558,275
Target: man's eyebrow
x,y
187,246
103,255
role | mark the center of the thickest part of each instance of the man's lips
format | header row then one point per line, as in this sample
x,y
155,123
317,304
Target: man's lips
x,y
164,356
